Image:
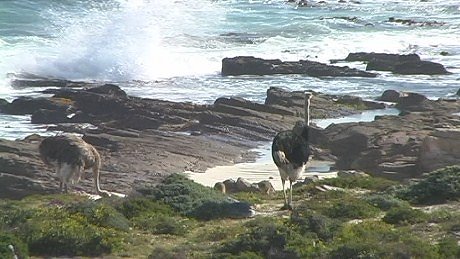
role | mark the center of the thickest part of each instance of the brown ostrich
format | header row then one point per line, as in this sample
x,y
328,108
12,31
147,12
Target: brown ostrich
x,y
70,155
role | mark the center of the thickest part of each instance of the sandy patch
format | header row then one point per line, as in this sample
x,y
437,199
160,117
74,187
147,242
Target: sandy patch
x,y
262,169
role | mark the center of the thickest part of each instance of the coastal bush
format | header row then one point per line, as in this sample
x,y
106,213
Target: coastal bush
x,y
322,226
437,187
351,209
404,215
242,255
181,193
385,201
13,214
449,248
161,252
10,243
56,232
137,206
218,231
101,215
266,237
376,239
364,182
162,224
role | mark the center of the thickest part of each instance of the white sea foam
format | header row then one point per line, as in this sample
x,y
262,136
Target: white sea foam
x,y
176,47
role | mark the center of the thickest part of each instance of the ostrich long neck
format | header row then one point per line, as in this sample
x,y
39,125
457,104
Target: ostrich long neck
x,y
307,109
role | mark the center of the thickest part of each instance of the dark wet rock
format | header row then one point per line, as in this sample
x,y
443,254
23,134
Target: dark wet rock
x,y
44,116
247,65
29,105
390,96
411,101
411,22
110,90
359,102
3,105
23,80
419,67
372,56
22,83
409,64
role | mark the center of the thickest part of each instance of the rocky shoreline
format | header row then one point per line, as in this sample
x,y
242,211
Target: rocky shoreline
x,y
143,140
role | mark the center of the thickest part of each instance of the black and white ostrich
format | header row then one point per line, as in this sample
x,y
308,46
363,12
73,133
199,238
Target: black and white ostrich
x,y
70,155
291,153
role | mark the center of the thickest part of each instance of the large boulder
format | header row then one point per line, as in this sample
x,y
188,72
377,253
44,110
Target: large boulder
x,y
419,67
440,149
248,65
406,64
21,171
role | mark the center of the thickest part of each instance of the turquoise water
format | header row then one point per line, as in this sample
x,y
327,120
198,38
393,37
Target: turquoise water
x,y
173,49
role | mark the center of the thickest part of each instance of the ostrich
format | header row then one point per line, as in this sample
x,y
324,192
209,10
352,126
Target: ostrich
x,y
70,155
290,151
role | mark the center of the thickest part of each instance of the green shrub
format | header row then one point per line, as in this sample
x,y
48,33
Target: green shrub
x,y
385,201
12,214
162,224
370,183
218,232
137,206
437,187
351,209
8,243
322,226
265,237
375,239
56,232
101,214
404,215
443,215
242,255
449,248
160,252
182,194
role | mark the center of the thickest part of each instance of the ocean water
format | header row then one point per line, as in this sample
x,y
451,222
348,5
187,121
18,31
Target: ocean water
x,y
173,49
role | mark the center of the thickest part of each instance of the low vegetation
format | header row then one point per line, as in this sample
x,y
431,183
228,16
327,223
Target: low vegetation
x,y
365,217
437,187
